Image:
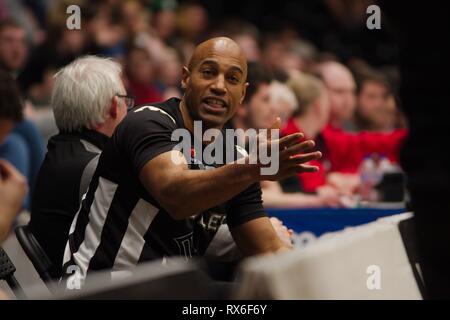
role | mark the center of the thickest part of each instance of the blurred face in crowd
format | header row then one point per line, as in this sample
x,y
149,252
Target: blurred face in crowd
x,y
140,68
170,69
372,104
283,100
292,61
134,16
215,81
13,48
193,20
341,92
261,111
164,23
394,118
273,54
250,47
322,108
73,41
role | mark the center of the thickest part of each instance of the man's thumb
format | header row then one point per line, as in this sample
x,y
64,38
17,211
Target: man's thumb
x,y
276,125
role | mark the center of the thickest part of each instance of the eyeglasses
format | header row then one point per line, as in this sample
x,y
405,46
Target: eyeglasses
x,y
129,100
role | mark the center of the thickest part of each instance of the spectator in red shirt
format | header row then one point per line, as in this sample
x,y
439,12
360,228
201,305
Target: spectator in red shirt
x,y
342,152
310,118
376,108
372,113
341,89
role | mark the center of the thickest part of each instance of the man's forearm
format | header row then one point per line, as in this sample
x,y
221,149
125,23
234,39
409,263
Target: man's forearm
x,y
167,177
258,236
198,190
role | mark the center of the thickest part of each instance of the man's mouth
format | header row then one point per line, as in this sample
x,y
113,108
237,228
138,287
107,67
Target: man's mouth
x,y
215,104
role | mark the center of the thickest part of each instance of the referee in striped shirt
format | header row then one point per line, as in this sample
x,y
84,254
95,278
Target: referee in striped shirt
x,y
142,205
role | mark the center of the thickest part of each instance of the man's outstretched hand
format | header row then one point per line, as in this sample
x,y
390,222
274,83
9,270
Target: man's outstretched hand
x,y
292,154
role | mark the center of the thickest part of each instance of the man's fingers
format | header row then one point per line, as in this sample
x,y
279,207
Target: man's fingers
x,y
302,158
305,168
298,148
289,140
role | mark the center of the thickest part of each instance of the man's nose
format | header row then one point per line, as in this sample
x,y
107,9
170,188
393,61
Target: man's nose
x,y
218,86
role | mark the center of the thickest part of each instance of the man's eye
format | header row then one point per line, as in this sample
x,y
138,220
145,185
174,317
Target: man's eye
x,y
234,79
207,73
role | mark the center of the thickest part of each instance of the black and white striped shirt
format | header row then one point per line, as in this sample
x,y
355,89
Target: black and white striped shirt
x,y
120,224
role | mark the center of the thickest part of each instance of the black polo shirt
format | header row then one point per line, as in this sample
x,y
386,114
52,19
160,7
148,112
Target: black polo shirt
x,y
63,178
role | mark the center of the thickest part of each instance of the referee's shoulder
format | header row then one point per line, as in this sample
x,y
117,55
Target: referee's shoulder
x,y
160,112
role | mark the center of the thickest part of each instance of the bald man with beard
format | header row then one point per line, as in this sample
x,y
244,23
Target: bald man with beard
x,y
341,88
148,201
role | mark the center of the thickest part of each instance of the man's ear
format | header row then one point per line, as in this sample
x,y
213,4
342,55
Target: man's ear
x,y
244,91
114,107
185,74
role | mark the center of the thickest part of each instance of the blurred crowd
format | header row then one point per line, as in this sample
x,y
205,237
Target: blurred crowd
x,y
348,106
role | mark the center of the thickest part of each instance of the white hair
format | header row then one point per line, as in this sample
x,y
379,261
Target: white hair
x,y
279,92
83,91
